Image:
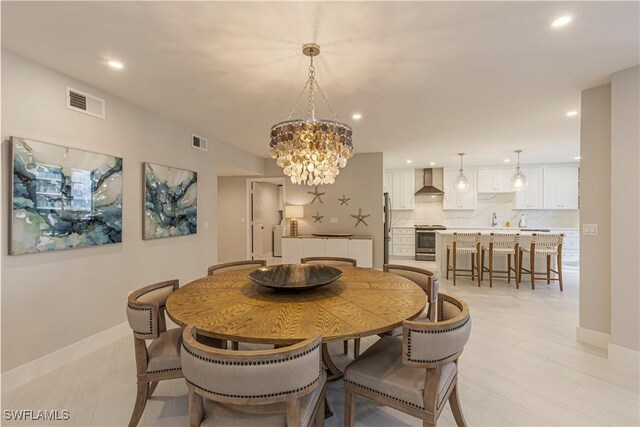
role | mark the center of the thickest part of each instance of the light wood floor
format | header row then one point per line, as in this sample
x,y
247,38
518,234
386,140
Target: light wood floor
x,y
522,366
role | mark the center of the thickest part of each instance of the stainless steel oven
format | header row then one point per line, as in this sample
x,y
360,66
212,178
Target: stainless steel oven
x,y
426,242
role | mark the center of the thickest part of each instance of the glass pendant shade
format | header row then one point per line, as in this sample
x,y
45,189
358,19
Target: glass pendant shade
x,y
311,151
518,180
461,184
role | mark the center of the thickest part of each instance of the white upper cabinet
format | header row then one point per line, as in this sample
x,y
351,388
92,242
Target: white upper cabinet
x,y
495,180
454,200
561,187
403,188
531,197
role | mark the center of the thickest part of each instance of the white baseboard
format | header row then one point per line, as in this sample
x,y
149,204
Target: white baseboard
x,y
593,337
52,361
624,359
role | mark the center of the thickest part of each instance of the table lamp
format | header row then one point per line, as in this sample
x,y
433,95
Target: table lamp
x,y
293,213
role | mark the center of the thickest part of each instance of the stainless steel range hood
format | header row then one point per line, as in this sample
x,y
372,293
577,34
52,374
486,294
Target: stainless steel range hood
x,y
428,187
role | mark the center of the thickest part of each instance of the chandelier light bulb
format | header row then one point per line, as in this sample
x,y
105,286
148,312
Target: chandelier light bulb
x,y
461,184
518,180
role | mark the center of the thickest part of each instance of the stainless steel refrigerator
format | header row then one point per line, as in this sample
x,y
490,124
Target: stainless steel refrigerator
x,y
387,227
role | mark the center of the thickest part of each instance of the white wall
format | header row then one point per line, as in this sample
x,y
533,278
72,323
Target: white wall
x,y
625,212
232,231
595,208
52,300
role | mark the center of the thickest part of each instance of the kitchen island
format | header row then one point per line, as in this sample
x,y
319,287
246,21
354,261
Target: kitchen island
x,y
444,238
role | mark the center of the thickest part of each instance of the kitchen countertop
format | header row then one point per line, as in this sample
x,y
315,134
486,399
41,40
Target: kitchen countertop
x,y
311,236
487,231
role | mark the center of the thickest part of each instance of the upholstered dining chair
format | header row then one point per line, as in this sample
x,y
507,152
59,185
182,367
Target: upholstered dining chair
x,y
429,284
275,387
335,261
547,244
161,359
235,265
416,373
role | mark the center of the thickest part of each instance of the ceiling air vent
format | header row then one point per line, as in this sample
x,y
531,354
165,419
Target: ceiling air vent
x,y
199,142
83,102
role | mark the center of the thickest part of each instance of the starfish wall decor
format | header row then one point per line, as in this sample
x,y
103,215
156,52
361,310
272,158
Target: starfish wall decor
x,y
316,195
317,217
344,200
360,218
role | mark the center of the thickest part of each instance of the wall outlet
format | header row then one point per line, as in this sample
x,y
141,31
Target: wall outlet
x,y
242,220
205,225
333,220
589,229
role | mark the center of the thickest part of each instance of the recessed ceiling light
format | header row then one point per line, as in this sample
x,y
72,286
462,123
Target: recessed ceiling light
x,y
115,64
572,113
356,116
561,22
506,160
577,158
409,161
432,164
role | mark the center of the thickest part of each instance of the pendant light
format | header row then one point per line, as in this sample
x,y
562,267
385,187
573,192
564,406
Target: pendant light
x,y
311,151
461,184
518,180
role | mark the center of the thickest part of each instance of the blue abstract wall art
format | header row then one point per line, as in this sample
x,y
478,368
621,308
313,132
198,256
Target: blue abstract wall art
x,y
63,198
171,201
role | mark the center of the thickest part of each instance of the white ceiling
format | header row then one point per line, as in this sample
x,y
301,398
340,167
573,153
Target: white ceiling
x,y
430,79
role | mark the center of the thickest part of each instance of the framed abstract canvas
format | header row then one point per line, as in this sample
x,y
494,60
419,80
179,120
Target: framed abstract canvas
x,y
63,198
170,201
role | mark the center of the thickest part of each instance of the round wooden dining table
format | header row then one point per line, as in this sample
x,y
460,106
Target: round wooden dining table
x,y
361,303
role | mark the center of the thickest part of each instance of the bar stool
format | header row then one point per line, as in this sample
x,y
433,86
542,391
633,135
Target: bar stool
x,y
502,244
465,243
543,244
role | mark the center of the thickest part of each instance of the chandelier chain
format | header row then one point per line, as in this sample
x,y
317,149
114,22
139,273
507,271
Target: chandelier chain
x,y
293,110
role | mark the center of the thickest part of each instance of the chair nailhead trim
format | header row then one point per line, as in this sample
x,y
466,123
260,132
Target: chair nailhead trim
x,y
384,394
150,310
253,396
173,285
163,370
269,362
417,331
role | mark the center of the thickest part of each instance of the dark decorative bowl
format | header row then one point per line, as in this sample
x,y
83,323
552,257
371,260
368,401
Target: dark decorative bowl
x,y
295,276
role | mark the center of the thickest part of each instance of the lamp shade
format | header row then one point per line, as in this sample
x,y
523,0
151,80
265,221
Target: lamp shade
x,y
293,211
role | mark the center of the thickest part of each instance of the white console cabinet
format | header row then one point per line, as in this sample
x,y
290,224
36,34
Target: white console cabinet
x,y
360,249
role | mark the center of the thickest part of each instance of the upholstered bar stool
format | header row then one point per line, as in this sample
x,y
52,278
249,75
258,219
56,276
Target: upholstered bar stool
x,y
548,244
416,373
465,244
336,261
231,266
502,244
275,387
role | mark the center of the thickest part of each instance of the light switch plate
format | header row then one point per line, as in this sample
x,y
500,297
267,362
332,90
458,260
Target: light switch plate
x,y
589,229
205,225
333,220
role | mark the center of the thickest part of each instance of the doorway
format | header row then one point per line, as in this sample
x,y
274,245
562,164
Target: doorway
x,y
265,214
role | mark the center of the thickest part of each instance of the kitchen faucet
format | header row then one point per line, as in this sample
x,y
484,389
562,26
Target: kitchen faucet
x,y
494,220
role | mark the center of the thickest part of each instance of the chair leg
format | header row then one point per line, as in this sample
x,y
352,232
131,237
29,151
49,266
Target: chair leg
x,y
319,419
508,268
454,403
548,269
141,402
473,266
477,256
559,266
345,347
491,269
152,388
516,270
349,409
448,255
356,348
532,265
454,268
520,258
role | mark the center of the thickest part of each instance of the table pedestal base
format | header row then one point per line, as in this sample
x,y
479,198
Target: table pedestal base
x,y
333,373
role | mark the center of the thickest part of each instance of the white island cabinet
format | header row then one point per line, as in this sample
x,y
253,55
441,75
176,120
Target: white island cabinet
x,y
359,248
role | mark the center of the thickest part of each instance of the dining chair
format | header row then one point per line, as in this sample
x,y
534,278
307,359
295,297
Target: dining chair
x,y
502,244
547,244
231,266
235,265
284,386
423,278
464,244
334,261
416,373
160,360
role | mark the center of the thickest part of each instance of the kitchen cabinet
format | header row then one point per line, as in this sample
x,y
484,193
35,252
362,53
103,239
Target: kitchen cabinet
x,y
454,200
402,185
403,242
495,180
295,248
531,197
561,187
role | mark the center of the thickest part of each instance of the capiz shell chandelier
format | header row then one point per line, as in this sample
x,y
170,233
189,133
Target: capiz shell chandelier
x,y
311,151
